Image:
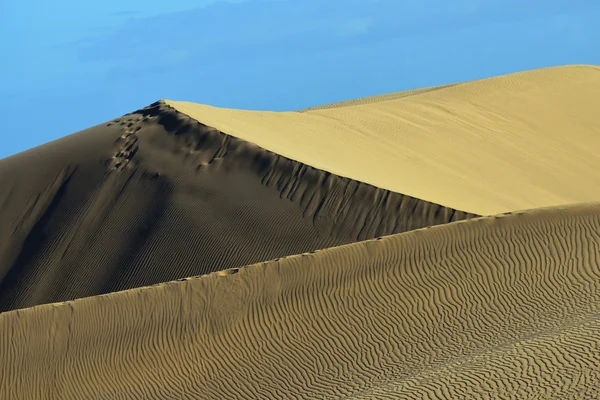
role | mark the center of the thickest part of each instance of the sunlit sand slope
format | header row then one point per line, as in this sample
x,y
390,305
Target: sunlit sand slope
x,y
502,144
375,99
155,196
496,307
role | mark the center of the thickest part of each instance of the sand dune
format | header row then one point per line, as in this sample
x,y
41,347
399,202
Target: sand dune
x,y
338,247
155,196
502,144
495,307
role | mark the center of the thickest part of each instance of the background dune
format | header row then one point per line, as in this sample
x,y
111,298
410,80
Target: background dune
x,y
155,196
497,307
495,145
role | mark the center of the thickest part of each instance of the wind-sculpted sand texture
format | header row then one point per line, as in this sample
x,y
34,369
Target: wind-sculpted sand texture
x,y
494,307
490,146
156,196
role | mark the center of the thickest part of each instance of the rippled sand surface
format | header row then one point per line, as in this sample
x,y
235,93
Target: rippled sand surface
x,y
495,307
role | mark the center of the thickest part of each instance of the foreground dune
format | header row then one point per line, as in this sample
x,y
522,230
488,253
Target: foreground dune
x,y
495,145
495,307
156,196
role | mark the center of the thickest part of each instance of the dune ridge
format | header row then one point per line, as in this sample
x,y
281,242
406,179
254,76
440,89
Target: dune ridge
x,y
489,146
108,208
489,307
376,98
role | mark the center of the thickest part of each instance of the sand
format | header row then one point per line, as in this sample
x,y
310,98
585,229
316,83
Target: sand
x,y
155,196
490,146
377,98
370,249
496,307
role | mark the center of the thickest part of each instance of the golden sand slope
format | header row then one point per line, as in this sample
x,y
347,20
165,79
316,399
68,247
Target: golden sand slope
x,y
496,307
502,144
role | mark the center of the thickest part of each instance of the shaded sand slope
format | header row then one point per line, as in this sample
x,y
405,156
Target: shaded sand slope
x,y
507,143
494,307
155,196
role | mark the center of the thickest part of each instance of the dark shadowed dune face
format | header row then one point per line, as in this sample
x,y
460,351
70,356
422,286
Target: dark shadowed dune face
x,y
156,196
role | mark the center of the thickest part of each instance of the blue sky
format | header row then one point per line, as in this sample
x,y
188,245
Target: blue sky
x,y
71,64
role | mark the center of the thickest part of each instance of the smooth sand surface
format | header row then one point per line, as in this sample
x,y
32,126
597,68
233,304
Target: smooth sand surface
x,y
495,145
494,307
155,196
376,98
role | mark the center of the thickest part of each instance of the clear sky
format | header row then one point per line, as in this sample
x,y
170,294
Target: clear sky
x,y
70,64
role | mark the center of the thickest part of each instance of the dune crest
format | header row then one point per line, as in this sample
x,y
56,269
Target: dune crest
x,y
507,143
491,307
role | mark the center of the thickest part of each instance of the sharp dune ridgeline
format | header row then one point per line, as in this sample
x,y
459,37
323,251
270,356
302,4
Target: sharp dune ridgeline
x,y
434,243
